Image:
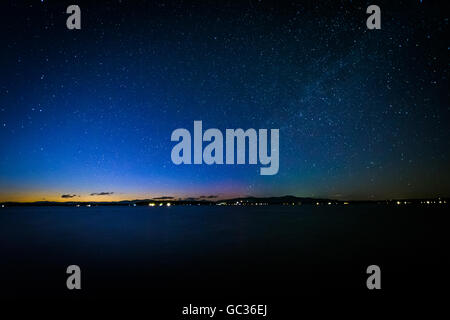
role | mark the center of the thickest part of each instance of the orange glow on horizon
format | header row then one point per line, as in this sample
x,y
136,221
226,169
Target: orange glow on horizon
x,y
35,196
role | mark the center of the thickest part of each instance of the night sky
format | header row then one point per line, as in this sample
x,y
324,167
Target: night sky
x,y
362,114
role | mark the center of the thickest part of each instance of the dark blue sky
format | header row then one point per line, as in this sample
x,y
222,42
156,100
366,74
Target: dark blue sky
x,y
362,114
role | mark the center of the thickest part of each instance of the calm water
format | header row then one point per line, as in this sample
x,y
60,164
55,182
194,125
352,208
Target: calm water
x,y
263,251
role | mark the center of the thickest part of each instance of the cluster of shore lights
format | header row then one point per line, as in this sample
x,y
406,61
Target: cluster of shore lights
x,y
424,202
332,203
152,204
433,202
242,203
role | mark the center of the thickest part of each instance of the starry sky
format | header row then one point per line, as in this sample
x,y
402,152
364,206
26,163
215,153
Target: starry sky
x,y
87,114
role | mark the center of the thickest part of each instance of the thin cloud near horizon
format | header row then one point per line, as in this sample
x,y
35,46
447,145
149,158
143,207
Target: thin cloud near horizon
x,y
65,196
101,193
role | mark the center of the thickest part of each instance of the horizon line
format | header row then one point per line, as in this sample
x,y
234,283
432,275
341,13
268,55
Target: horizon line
x,y
205,200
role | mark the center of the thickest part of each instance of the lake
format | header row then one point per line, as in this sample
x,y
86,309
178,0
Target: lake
x,y
219,251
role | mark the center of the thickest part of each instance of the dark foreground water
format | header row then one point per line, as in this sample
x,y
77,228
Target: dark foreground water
x,y
220,252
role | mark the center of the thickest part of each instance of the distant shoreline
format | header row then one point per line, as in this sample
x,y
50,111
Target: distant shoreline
x,y
248,201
